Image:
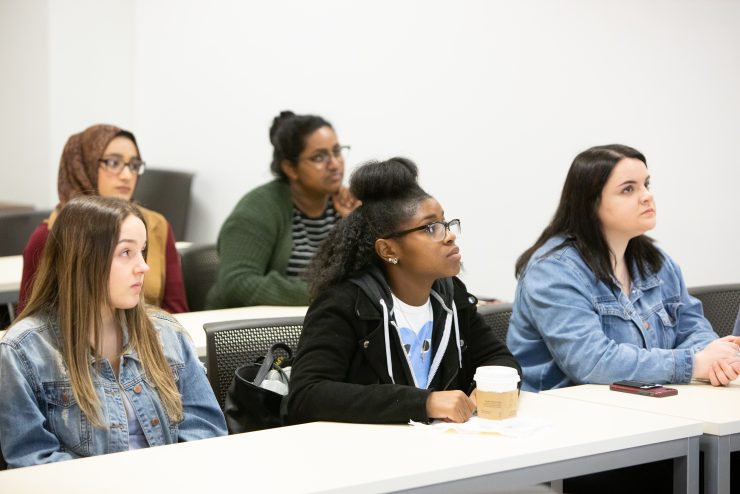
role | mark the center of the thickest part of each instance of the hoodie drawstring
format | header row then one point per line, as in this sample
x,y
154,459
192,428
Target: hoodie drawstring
x,y
457,333
387,341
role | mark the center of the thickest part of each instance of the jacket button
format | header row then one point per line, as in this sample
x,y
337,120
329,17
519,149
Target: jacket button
x,y
155,422
365,344
462,343
471,299
646,325
137,389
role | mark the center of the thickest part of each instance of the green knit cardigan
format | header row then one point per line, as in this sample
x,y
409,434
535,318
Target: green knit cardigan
x,y
254,246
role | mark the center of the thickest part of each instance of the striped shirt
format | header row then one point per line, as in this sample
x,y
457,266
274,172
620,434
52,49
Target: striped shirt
x,y
308,233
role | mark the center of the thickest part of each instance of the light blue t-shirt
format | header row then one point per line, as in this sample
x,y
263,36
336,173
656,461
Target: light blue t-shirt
x,y
414,326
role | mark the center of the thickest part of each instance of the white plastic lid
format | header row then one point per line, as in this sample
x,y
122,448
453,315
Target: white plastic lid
x,y
497,372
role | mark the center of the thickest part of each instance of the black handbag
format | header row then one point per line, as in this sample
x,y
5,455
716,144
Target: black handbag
x,y
249,407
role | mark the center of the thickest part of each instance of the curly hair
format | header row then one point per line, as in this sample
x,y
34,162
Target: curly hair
x,y
390,195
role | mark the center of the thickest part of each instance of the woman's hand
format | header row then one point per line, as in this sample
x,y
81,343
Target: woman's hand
x,y
723,371
344,202
450,406
719,361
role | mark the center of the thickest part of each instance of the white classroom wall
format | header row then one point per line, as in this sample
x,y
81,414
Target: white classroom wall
x,y
492,99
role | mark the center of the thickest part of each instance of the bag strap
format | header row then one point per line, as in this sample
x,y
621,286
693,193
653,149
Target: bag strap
x,y
269,360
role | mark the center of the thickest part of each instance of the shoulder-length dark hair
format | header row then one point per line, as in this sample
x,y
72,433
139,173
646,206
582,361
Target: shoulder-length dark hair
x,y
577,216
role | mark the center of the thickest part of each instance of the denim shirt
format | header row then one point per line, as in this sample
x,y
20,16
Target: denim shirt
x,y
40,421
567,327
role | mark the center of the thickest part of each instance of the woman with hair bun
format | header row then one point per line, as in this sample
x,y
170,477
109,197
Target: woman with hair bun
x,y
391,335
273,232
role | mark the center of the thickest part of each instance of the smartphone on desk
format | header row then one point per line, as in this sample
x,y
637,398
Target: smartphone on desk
x,y
643,388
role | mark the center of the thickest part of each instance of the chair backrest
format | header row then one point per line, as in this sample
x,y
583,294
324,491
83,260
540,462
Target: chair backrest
x,y
721,304
15,228
231,344
166,192
497,317
199,271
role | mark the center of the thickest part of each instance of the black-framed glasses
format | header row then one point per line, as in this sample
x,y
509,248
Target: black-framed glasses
x,y
437,231
115,164
323,157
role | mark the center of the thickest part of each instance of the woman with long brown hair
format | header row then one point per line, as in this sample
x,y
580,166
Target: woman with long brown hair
x,y
86,369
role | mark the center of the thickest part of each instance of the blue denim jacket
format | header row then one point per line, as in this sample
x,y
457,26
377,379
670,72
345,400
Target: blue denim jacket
x,y
40,421
567,327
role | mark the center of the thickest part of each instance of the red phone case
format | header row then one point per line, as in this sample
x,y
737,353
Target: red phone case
x,y
659,392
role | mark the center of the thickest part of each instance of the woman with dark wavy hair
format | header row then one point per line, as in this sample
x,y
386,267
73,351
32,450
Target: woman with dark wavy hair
x,y
597,301
392,334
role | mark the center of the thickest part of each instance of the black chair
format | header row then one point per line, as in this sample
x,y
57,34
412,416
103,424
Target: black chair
x,y
15,228
497,317
231,344
166,192
721,304
199,271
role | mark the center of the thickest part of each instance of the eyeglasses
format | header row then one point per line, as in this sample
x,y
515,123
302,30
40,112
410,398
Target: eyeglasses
x,y
322,158
115,165
437,230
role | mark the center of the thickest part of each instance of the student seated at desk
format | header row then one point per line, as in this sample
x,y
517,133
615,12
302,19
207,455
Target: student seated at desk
x,y
86,369
274,230
105,160
597,301
391,334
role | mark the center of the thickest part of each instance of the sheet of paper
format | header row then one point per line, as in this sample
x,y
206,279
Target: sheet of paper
x,y
513,427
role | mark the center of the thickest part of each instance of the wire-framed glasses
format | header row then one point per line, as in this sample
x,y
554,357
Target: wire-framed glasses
x,y
437,231
323,157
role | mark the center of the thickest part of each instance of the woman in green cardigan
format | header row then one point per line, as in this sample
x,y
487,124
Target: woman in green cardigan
x,y
274,230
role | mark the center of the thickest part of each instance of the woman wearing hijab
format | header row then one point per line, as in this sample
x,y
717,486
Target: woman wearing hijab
x,y
105,160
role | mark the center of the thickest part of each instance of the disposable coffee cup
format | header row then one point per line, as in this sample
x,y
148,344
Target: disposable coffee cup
x,y
496,392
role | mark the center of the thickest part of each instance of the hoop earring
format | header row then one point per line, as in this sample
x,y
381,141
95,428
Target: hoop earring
x,y
393,260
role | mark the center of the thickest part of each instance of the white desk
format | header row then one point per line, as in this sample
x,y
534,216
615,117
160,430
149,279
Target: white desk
x,y
193,321
11,270
332,457
717,408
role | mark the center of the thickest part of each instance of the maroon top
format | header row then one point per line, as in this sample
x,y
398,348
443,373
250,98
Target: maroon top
x,y
174,300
